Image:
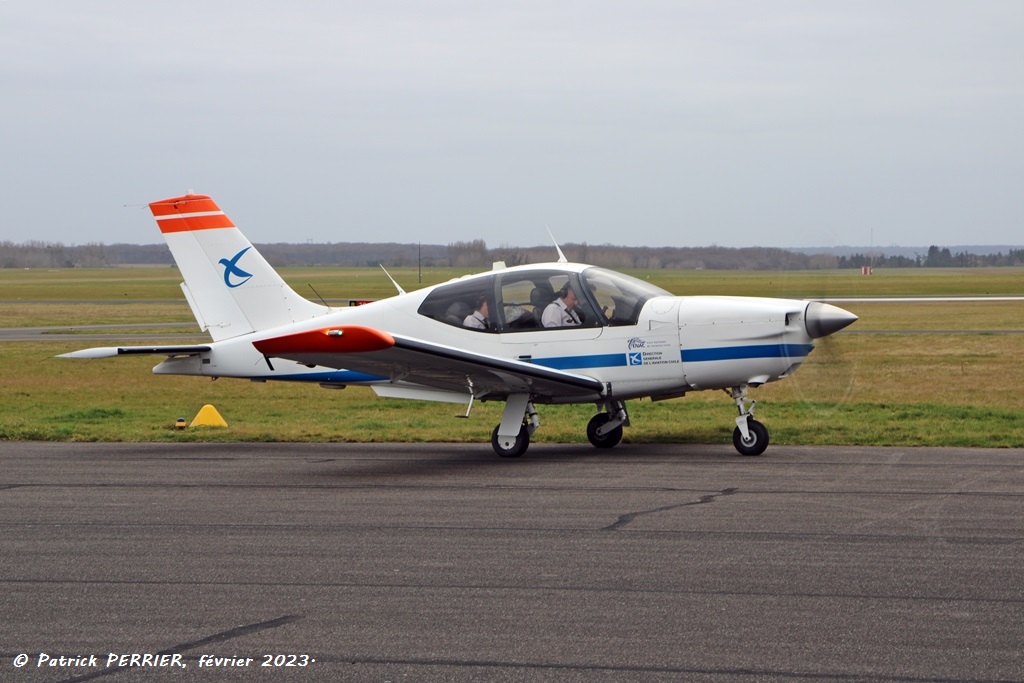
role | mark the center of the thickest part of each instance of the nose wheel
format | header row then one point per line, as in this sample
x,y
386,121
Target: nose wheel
x,y
750,436
754,441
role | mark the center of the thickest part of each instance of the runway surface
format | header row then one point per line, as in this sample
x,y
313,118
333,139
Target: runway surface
x,y
439,562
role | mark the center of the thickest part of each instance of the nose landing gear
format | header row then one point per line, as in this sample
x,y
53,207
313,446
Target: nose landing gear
x,y
750,436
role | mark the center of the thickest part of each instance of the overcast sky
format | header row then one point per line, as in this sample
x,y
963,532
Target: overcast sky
x,y
773,123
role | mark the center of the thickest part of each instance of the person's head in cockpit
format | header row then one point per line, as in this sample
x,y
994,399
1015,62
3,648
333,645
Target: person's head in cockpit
x,y
560,312
478,318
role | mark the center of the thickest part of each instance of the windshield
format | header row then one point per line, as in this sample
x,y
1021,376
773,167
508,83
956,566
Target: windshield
x,y
619,297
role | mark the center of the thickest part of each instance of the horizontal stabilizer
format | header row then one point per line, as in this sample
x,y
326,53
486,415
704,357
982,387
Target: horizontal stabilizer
x,y
113,351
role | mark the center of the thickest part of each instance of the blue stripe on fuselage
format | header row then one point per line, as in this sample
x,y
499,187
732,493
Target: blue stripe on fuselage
x,y
614,360
746,352
606,360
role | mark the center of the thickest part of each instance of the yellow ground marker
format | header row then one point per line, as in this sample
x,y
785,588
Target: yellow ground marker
x,y
208,417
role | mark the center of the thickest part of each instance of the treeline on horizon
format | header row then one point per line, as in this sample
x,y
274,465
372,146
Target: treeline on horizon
x,y
475,253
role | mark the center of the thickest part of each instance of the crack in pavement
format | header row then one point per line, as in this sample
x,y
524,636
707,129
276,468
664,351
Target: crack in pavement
x,y
627,518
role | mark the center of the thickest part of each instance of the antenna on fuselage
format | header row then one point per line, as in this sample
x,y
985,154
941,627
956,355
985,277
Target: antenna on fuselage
x,y
400,290
322,300
561,256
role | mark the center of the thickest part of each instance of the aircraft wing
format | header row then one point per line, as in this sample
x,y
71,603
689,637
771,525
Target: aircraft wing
x,y
112,351
405,359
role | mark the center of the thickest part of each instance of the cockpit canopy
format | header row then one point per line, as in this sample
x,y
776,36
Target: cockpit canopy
x,y
516,298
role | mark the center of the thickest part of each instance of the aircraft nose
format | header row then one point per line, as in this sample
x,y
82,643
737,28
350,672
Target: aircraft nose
x,y
821,320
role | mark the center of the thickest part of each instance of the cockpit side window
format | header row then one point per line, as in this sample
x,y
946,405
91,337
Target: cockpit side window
x,y
517,296
462,304
619,298
525,296
517,301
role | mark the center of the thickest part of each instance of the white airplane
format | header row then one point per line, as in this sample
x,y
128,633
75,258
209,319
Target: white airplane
x,y
537,334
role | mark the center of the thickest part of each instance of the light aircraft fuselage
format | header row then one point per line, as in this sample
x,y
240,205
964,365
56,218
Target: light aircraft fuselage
x,y
536,334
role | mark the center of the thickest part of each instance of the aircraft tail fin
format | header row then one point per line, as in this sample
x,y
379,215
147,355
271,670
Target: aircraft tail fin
x,y
230,287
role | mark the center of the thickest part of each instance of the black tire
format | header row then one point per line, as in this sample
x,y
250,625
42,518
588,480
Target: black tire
x,y
609,440
518,448
758,441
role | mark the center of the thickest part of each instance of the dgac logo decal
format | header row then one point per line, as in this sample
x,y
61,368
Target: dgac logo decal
x,y
231,268
636,358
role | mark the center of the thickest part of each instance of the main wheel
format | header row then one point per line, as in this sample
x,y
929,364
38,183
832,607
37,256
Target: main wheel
x,y
757,442
519,447
609,440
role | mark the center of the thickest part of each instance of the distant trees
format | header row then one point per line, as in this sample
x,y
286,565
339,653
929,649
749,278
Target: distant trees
x,y
876,260
93,255
57,255
464,254
32,255
671,258
476,254
937,257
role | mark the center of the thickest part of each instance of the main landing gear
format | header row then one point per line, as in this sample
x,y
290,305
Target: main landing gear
x,y
511,438
605,429
511,448
750,436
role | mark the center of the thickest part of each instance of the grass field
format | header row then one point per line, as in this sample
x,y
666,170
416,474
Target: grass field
x,y
871,385
111,284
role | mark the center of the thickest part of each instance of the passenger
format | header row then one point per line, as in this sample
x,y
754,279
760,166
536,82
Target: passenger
x,y
478,318
560,312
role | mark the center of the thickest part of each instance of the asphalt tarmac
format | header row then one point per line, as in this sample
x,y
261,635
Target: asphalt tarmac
x,y
439,562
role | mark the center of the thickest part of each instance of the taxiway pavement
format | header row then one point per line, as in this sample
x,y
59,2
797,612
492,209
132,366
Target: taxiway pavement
x,y
440,562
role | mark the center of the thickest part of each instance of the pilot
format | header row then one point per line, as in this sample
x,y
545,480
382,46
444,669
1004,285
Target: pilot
x,y
560,313
478,318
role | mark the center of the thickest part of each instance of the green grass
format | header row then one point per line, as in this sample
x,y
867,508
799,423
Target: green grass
x,y
871,389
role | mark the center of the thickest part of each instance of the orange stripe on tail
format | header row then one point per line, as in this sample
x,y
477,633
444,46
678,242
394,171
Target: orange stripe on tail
x,y
189,212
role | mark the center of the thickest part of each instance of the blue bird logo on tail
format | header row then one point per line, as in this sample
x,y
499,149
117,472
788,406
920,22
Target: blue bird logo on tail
x,y
231,268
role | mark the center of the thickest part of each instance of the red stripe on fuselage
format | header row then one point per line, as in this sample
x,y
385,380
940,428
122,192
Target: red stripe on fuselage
x,y
347,339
